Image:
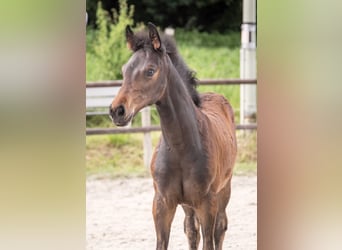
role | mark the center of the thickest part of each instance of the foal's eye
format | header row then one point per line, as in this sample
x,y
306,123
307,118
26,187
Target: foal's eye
x,y
150,72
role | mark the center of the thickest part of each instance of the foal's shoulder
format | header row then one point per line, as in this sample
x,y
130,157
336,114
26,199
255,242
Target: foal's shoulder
x,y
213,103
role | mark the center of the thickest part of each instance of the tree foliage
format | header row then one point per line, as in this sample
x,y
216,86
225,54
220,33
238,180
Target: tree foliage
x,y
203,15
110,45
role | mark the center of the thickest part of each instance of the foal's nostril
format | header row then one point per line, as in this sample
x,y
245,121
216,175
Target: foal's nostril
x,y
120,111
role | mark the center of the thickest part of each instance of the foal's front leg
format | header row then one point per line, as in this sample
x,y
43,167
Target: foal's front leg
x,y
191,227
206,213
163,214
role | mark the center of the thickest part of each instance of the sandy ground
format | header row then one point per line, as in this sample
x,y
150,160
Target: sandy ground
x,y
119,215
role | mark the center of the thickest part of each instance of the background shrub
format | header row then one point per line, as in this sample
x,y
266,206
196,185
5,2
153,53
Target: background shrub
x,y
108,41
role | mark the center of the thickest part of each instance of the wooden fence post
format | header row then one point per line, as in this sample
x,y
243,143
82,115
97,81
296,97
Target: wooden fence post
x,y
146,122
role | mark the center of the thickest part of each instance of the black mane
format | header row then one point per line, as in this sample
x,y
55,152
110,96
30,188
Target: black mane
x,y
142,40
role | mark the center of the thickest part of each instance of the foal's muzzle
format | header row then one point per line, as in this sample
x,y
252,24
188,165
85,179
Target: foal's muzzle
x,y
119,115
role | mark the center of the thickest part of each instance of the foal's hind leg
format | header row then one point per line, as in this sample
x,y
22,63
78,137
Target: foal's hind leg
x,y
191,227
221,223
163,214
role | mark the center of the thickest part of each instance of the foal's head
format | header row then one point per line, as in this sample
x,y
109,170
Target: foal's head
x,y
144,78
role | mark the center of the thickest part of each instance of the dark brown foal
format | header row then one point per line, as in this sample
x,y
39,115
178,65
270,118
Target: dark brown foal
x,y
193,163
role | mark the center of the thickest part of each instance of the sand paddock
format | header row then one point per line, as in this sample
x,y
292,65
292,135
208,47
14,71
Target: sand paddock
x,y
119,215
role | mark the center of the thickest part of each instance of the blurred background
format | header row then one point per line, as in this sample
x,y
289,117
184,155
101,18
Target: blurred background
x,y
42,77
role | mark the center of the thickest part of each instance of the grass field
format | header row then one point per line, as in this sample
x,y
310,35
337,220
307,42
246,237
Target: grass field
x,y
211,56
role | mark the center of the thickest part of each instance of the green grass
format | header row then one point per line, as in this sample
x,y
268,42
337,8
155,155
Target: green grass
x,y
245,168
122,155
115,155
210,55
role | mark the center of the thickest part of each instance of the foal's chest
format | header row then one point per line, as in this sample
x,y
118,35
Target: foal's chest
x,y
181,180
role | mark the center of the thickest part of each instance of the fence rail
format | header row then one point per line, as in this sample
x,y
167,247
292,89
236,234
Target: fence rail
x,y
118,83
106,131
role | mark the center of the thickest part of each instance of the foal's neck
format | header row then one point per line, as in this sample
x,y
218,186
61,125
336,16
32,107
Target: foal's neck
x,y
178,116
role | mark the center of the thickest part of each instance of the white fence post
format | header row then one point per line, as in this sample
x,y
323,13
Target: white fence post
x,y
248,106
146,122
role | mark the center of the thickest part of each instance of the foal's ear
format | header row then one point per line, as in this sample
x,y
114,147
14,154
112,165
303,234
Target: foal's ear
x,y
130,38
154,36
